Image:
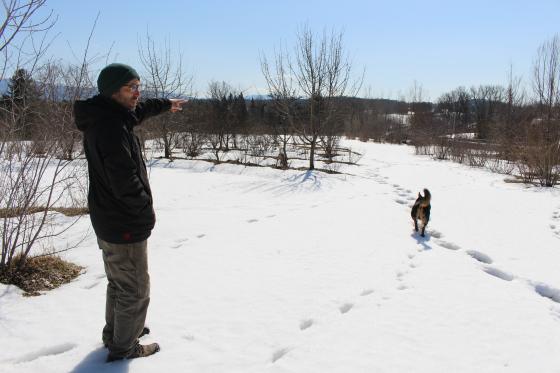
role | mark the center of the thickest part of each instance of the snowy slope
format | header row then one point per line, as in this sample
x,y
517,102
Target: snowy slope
x,y
260,270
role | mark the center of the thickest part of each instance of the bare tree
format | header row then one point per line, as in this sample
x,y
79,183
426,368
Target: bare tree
x,y
34,179
546,84
165,78
512,115
543,152
318,74
485,101
282,91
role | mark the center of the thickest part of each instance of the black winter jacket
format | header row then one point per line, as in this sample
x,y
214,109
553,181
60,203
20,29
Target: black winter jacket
x,y
120,198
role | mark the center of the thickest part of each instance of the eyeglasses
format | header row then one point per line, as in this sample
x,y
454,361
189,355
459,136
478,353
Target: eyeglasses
x,y
134,87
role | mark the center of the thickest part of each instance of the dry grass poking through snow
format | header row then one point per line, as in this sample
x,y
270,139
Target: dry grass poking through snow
x,y
40,273
8,213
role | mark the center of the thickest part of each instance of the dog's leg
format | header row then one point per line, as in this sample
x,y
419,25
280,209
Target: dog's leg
x,y
416,225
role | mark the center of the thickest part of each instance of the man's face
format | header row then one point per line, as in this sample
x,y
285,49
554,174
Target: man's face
x,y
128,94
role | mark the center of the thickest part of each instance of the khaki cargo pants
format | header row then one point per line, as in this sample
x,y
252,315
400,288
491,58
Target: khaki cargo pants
x,y
128,294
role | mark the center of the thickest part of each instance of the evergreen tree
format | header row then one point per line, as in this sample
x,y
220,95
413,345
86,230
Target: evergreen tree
x,y
21,94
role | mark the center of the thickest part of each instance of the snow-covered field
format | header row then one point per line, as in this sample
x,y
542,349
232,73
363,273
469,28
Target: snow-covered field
x,y
261,270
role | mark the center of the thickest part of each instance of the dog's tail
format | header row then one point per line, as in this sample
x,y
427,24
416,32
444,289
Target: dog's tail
x,y
427,196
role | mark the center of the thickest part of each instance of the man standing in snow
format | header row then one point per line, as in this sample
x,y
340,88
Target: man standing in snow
x,y
120,202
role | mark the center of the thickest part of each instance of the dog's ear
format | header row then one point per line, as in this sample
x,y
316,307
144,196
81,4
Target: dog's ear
x,y
419,196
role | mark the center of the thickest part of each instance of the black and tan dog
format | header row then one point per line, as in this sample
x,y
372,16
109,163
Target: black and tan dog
x,y
421,210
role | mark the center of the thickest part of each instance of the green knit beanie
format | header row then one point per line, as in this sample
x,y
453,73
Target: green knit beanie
x,y
113,77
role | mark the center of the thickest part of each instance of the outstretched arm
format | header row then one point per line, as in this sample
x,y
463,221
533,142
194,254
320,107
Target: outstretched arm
x,y
154,106
177,104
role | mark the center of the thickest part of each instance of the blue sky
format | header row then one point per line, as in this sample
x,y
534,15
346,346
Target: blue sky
x,y
439,44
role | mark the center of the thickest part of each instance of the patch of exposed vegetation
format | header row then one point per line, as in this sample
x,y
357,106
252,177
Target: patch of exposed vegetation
x,y
8,213
40,273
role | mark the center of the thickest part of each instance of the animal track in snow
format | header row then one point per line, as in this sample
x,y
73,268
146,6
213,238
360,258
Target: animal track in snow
x,y
547,291
401,202
554,225
279,354
435,234
498,273
448,245
48,351
201,235
92,285
481,257
179,243
345,307
366,292
252,220
555,312
271,216
305,324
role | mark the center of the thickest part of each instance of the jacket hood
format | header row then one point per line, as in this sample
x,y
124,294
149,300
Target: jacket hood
x,y
88,113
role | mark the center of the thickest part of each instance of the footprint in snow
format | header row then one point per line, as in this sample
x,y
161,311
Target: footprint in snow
x,y
279,354
435,234
92,285
481,257
555,311
271,216
305,324
401,202
366,292
499,274
548,291
345,307
252,220
179,243
448,245
201,235
47,351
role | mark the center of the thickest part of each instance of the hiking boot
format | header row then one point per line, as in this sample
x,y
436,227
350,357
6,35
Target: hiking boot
x,y
138,351
145,330
143,350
